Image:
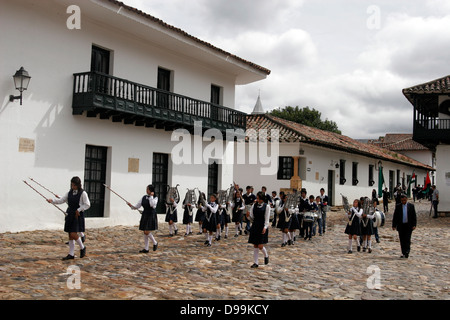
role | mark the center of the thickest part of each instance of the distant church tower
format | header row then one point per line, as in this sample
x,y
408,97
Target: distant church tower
x,y
258,106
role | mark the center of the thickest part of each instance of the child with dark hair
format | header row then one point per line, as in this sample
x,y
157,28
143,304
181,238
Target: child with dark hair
x,y
259,231
149,220
78,202
353,227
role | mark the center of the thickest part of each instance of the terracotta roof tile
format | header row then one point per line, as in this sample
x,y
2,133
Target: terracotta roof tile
x,y
399,142
441,85
291,132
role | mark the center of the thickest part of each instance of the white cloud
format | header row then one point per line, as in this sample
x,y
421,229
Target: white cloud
x,y
323,55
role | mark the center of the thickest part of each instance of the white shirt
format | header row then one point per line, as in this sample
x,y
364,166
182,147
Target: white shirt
x,y
84,203
357,211
152,200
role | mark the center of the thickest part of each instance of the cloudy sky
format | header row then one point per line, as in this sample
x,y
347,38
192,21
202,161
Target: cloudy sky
x,y
349,59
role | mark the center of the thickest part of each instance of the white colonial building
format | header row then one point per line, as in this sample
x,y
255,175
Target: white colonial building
x,y
298,156
109,85
431,103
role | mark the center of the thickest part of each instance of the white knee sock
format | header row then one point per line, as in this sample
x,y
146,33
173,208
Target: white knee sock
x,y
80,243
264,250
226,231
369,243
350,242
255,255
146,242
72,247
152,238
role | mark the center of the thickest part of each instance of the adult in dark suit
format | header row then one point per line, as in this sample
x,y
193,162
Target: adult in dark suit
x,y
404,221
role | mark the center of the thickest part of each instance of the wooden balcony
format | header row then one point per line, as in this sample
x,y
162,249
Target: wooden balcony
x,y
124,101
431,131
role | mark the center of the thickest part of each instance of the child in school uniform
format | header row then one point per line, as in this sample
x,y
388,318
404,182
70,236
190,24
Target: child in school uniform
x,y
188,216
210,220
284,220
310,206
78,202
238,212
259,231
353,225
172,217
200,214
149,220
367,230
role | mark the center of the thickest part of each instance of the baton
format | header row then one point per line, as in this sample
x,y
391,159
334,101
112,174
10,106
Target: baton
x,y
45,198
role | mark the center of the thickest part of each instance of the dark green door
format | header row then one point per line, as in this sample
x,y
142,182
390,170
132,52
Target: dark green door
x,y
160,179
94,178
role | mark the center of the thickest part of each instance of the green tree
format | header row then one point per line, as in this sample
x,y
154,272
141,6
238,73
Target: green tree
x,y
306,116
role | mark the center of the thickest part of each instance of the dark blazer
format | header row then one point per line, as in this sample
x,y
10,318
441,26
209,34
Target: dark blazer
x,y
397,219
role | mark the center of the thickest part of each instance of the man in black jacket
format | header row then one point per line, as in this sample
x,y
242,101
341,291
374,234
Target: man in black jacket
x,y
404,221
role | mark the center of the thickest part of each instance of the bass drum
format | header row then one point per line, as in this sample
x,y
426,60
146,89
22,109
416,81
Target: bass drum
x,y
309,216
379,219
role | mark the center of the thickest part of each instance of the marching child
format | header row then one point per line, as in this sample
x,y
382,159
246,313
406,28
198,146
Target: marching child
x,y
238,212
209,223
311,206
187,215
353,227
149,221
78,202
200,215
259,231
172,216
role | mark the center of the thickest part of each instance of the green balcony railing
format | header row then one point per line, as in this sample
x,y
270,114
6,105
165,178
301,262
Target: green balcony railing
x,y
134,103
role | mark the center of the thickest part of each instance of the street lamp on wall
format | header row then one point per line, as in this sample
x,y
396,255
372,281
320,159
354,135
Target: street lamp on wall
x,y
21,82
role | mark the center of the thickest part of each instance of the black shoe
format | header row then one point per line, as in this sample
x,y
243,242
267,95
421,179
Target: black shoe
x,y
144,251
83,239
283,244
350,251
83,252
69,257
254,265
176,231
236,235
240,232
155,246
266,260
206,242
358,248
226,237
370,250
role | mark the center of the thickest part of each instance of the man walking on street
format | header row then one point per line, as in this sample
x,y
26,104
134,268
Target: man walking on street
x,y
404,221
435,200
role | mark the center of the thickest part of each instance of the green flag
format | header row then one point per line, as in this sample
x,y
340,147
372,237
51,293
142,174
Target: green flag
x,y
380,181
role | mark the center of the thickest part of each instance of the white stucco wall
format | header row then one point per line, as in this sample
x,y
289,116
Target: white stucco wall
x,y
314,166
51,53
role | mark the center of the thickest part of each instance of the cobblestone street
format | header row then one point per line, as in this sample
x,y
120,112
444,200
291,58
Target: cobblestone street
x,y
184,269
